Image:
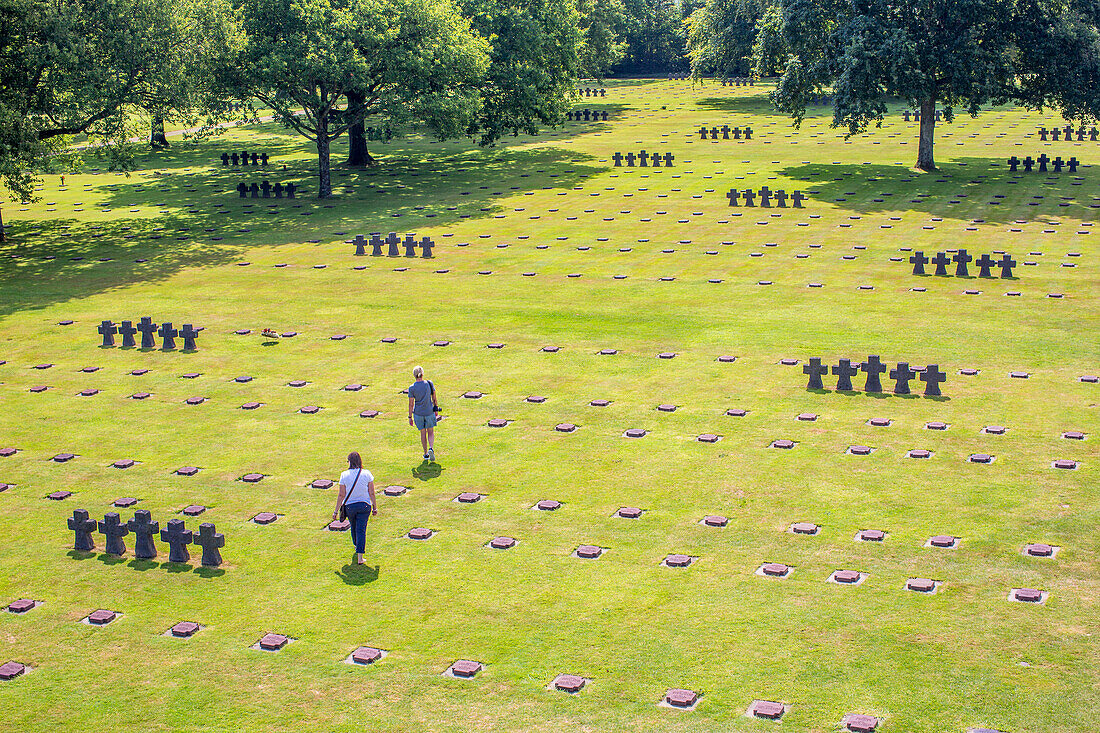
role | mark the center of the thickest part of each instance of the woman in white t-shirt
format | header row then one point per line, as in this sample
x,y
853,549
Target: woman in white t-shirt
x,y
357,498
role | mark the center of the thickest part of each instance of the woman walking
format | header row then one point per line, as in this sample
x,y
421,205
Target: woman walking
x,y
423,407
356,497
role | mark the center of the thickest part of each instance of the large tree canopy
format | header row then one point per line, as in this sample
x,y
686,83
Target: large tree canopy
x,y
956,54
410,59
721,34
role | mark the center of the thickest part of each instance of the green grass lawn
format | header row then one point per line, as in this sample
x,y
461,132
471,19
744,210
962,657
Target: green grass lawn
x,y
174,236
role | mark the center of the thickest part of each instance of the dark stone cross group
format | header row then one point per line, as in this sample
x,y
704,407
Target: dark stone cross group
x,y
916,115
1068,131
985,263
587,115
1042,160
149,331
592,93
393,242
873,368
242,159
725,130
643,159
766,195
739,81
265,189
145,530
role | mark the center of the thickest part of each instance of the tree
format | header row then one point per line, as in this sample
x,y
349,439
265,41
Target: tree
x,y
71,67
656,38
963,54
534,63
603,28
325,65
721,35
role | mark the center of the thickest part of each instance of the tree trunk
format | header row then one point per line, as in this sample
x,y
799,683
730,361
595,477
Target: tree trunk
x,y
156,133
925,159
324,175
357,136
3,237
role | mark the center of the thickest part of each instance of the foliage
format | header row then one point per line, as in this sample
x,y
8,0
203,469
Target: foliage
x,y
656,38
721,35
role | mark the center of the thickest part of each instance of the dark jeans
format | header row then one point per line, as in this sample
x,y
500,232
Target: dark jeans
x,y
358,514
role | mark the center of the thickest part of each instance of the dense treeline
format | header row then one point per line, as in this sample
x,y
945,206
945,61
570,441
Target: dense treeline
x,y
488,68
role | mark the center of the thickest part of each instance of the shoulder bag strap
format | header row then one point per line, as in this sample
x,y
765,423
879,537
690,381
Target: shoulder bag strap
x,y
353,483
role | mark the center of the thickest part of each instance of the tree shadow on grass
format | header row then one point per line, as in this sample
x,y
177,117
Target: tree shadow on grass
x,y
354,574
962,189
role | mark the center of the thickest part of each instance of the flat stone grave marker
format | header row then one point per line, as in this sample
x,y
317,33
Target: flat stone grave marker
x,y
1027,595
783,444
922,585
859,723
265,518
321,483
677,561
184,629
635,433
570,683
935,425
847,577
464,668
366,655
10,670
807,528
63,457
535,399
468,497
860,450
880,422
1040,549
588,552
22,605
666,408
548,505
599,402
252,478
395,490
187,470
807,417
498,422
502,543
943,541
980,458
736,412
100,617
767,709
419,533
271,642
1065,463
629,512
919,453
681,698
774,570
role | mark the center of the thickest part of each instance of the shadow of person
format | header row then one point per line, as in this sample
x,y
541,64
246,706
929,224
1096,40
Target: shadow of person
x,y
354,574
427,470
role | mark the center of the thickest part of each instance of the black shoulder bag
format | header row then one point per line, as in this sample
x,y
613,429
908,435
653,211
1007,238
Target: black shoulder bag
x,y
344,506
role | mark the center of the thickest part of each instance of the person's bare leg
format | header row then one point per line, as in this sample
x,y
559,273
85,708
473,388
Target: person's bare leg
x,y
359,559
431,438
424,439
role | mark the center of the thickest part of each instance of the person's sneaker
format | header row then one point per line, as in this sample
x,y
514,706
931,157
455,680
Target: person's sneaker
x,y
426,457
431,454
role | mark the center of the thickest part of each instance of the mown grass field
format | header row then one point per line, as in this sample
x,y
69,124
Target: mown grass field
x,y
554,206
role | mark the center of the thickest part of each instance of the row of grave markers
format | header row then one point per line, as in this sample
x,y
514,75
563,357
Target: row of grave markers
x,y
266,189
1042,160
916,115
643,159
145,530
739,81
873,368
725,130
961,259
589,115
766,195
393,242
243,158
148,331
1093,134
588,92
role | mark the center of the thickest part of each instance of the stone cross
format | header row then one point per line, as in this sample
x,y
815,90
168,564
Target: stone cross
x,y
781,198
244,158
918,260
932,376
618,158
733,195
702,133
902,375
643,159
765,196
426,245
169,335
210,541
750,197
278,189
1013,163
960,259
748,133
725,132
242,189
393,241
83,525
1043,160
189,333
1028,164
114,530
905,115
669,157
630,160
254,190
1068,131
1093,134
144,529
815,369
873,368
148,330
1043,134
1006,264
1057,163
291,189
360,243
266,188
797,198
1055,134
127,331
225,158
236,160
376,243
655,160
714,133
178,538
737,133
255,159
263,158
410,245
985,262
107,329
941,261
844,371
1072,164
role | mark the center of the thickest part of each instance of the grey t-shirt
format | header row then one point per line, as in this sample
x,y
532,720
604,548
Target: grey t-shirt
x,y
421,392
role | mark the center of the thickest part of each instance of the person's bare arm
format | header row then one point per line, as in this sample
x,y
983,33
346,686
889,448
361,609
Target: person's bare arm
x,y
339,501
412,403
373,501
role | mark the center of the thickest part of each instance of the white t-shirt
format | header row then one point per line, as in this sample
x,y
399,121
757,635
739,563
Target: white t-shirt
x,y
362,492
